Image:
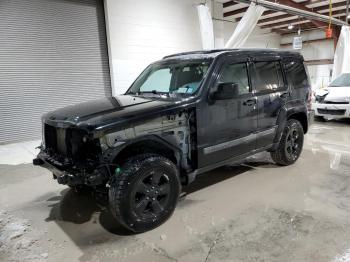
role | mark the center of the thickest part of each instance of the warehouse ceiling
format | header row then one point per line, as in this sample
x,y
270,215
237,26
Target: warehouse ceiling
x,y
279,21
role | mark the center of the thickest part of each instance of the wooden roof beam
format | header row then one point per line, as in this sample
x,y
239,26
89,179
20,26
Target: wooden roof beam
x,y
325,7
311,2
301,7
286,22
229,3
308,41
271,19
243,10
284,32
304,26
236,12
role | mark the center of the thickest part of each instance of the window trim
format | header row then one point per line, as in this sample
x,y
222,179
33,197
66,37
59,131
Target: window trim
x,y
256,79
290,84
248,70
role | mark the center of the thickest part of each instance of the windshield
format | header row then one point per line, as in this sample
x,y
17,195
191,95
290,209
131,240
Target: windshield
x,y
342,80
177,78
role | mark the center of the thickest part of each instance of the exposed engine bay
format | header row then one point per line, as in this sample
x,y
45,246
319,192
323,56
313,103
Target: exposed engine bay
x,y
75,158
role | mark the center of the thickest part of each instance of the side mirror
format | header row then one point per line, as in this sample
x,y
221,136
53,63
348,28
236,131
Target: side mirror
x,y
226,91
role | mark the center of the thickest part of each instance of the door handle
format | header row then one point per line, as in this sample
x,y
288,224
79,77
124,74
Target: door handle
x,y
249,102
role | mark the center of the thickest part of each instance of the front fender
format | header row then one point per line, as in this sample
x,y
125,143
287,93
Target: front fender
x,y
112,153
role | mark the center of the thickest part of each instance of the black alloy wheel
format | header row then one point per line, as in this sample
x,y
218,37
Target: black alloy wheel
x,y
145,192
291,144
151,194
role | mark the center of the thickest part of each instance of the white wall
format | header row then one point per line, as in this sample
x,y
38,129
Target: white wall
x,y
319,74
140,32
259,38
217,14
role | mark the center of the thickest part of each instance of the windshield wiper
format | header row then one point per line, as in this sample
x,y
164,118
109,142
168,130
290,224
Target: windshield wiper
x,y
155,92
149,92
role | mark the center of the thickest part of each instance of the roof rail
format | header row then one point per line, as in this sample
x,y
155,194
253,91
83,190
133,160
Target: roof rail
x,y
198,52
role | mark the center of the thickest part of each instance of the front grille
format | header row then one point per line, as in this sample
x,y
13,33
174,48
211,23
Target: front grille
x,y
55,139
70,143
337,103
335,112
50,137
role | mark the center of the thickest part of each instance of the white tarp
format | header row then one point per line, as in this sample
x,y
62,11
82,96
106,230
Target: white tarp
x,y
342,53
245,26
206,27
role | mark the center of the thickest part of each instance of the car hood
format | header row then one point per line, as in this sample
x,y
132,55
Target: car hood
x,y
107,113
335,94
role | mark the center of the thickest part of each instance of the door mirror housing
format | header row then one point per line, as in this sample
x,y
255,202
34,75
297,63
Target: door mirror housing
x,y
226,91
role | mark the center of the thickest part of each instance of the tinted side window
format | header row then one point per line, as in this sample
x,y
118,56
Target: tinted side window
x,y
235,73
269,76
295,73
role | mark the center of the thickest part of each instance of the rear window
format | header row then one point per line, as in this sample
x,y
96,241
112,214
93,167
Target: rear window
x,y
269,75
295,73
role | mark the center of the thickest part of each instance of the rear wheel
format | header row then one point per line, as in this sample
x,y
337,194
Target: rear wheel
x,y
145,192
291,144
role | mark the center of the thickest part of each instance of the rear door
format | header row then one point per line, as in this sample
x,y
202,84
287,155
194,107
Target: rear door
x,y
270,88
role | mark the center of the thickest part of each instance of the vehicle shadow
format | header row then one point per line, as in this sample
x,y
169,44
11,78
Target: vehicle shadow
x,y
213,177
71,207
337,122
92,210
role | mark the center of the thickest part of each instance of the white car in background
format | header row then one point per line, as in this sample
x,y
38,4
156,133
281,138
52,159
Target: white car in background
x,y
333,102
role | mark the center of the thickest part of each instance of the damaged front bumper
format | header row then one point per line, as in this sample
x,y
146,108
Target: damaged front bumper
x,y
68,174
332,111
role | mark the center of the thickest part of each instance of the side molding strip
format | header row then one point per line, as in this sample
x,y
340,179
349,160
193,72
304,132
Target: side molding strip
x,y
232,143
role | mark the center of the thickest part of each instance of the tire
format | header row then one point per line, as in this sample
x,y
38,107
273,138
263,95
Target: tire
x,y
81,189
291,144
145,192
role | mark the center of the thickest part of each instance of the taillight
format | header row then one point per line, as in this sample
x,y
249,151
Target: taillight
x,y
309,100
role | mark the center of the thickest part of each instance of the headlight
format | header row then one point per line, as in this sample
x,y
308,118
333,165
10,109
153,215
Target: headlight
x,y
113,139
320,99
103,143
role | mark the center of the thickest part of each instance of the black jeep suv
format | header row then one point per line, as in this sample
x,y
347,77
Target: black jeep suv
x,y
184,115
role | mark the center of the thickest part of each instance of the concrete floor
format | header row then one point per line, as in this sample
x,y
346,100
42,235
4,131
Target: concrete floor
x,y
252,212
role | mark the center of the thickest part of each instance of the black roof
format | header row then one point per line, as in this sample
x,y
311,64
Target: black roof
x,y
215,52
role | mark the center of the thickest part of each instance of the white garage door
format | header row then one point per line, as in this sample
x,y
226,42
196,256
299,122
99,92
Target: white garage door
x,y
53,53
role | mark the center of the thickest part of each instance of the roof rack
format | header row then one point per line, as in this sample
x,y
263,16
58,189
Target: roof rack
x,y
221,51
201,52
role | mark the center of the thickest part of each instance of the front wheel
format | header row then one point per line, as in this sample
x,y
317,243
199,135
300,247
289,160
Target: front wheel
x,y
81,189
291,144
145,192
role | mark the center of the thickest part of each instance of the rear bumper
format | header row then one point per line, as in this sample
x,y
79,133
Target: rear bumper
x,y
332,111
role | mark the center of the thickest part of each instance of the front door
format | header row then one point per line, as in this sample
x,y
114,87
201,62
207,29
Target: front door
x,y
226,127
